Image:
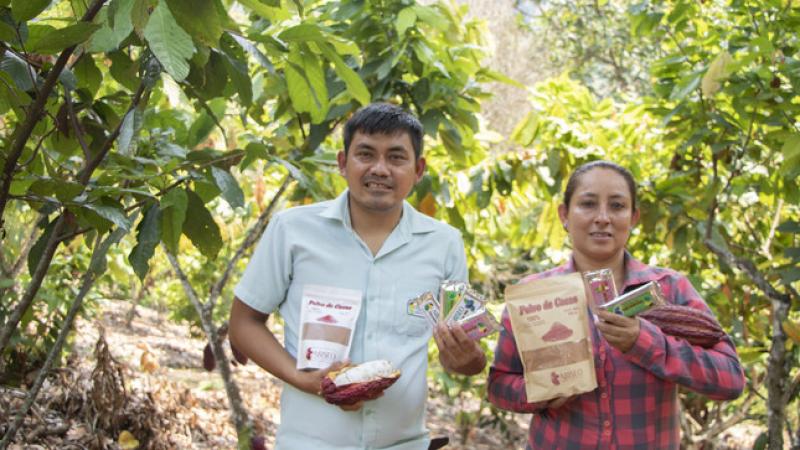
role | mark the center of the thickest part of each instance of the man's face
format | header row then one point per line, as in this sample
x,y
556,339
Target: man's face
x,y
380,170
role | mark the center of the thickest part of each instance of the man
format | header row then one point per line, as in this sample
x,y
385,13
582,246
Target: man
x,y
368,240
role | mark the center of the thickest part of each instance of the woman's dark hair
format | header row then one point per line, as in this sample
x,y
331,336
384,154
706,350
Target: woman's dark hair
x,y
384,118
572,183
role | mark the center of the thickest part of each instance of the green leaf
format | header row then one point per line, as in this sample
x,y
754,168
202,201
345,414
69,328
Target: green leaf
x,y
717,73
38,248
405,20
88,75
173,214
355,85
115,29
237,68
20,71
431,16
685,86
172,46
25,10
199,18
7,32
306,82
790,226
201,228
147,237
265,11
60,39
303,32
791,154
226,183
131,125
114,214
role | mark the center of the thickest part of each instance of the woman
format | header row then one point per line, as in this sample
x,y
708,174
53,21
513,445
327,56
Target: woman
x,y
638,367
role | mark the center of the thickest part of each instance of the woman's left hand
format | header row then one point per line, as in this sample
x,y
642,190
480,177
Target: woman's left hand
x,y
620,331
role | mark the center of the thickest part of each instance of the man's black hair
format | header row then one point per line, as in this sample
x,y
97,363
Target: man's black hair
x,y
384,118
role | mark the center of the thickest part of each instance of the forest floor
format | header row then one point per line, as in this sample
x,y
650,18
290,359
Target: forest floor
x,y
147,389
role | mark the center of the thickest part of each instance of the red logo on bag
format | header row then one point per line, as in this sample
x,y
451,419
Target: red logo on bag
x,y
308,353
554,378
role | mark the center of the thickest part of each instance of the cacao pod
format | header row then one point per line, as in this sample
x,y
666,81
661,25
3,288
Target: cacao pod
x,y
696,327
353,384
209,363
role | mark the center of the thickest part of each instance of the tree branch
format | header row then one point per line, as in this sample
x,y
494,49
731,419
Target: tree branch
x,y
73,119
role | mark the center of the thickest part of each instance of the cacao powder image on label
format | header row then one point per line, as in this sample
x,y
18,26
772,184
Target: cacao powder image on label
x,y
557,332
550,324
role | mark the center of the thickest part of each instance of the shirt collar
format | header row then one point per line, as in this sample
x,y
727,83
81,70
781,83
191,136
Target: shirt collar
x,y
411,222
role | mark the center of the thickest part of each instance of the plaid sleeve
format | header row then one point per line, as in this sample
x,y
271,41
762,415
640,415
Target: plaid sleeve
x,y
714,372
506,386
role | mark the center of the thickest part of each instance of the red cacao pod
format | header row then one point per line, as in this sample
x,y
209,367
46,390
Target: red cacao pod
x,y
695,326
209,363
353,384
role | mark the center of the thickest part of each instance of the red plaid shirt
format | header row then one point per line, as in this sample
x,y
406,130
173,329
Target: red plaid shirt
x,y
636,403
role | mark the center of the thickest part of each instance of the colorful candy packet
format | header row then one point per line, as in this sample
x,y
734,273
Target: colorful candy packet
x,y
600,285
479,324
450,293
636,301
469,303
429,306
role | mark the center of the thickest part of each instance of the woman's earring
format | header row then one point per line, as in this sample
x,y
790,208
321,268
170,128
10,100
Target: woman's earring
x,y
565,225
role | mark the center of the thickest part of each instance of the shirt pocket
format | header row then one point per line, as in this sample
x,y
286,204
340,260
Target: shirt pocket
x,y
402,321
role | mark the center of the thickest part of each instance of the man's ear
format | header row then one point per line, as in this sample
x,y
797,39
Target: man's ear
x,y
420,167
341,159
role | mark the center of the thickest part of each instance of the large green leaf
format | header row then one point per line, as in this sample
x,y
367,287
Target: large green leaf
x,y
115,29
88,75
58,40
173,214
201,228
405,20
37,250
147,237
169,42
199,18
355,86
306,82
24,10
226,183
114,214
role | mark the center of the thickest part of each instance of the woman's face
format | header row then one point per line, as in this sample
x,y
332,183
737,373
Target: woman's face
x,y
600,215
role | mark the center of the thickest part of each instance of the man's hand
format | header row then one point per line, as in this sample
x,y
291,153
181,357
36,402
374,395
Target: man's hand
x,y
457,352
620,331
311,382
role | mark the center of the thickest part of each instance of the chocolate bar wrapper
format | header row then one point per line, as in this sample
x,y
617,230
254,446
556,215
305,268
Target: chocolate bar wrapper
x,y
429,306
470,303
479,324
600,285
636,301
450,293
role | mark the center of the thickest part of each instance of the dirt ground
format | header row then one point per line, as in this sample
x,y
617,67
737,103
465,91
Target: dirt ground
x,y
169,400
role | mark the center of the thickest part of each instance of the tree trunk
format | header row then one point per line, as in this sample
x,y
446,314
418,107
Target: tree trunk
x,y
240,416
777,373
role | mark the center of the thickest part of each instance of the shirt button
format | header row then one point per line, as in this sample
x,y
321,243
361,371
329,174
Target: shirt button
x,y
607,432
607,423
603,395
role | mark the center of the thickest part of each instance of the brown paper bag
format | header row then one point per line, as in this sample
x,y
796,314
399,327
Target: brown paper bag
x,y
550,324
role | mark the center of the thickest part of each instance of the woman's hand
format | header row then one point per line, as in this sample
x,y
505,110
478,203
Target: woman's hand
x,y
620,331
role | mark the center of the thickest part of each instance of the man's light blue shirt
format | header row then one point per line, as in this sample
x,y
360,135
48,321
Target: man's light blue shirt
x,y
316,245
